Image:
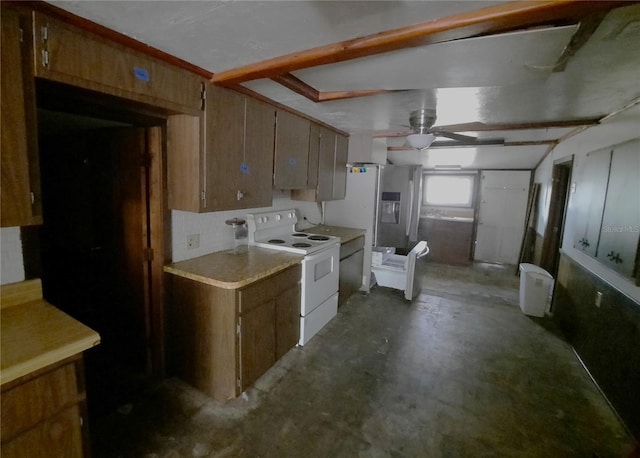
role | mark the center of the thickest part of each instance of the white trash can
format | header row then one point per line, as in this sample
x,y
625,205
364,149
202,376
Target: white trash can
x,y
535,289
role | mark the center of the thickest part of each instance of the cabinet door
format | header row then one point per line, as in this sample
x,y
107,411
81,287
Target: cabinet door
x,y
326,162
257,342
314,149
291,157
224,148
257,166
287,321
621,218
70,55
20,196
340,168
591,190
185,162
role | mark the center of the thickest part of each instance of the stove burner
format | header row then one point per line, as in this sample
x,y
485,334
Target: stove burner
x,y
301,245
299,234
318,238
276,241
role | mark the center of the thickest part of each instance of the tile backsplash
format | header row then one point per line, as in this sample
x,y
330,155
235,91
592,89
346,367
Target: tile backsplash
x,y
11,258
197,234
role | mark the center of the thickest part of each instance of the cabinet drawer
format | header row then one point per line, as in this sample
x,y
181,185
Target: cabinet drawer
x,y
59,436
350,247
26,405
73,56
262,291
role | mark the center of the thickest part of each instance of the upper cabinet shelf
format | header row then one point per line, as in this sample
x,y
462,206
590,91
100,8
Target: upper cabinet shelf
x,y
70,55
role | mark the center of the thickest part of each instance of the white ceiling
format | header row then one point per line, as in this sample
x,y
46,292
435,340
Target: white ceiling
x,y
495,80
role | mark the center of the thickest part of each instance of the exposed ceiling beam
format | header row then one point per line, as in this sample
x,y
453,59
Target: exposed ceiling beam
x,y
297,85
496,19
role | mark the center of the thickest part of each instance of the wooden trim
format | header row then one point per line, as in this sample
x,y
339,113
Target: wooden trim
x,y
18,293
258,96
113,36
486,21
546,154
297,85
157,236
482,127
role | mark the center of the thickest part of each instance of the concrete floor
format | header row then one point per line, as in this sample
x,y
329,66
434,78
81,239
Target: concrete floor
x,y
458,372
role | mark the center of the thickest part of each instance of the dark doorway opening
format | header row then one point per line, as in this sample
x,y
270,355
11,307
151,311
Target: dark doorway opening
x,y
102,210
561,176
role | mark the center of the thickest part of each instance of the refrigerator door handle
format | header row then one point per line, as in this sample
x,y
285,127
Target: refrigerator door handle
x,y
410,212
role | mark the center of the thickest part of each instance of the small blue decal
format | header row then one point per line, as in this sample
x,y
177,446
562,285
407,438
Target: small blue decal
x,y
293,161
141,74
244,168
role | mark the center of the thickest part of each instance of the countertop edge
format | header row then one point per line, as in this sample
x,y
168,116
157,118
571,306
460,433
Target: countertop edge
x,y
236,284
48,358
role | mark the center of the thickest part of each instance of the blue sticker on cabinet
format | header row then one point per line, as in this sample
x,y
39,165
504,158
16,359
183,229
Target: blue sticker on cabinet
x,y
244,168
141,74
293,161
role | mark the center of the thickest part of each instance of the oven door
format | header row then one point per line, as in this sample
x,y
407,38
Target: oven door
x,y
320,276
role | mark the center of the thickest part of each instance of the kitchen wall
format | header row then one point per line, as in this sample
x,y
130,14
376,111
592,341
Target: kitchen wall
x,y
11,259
617,129
597,309
215,235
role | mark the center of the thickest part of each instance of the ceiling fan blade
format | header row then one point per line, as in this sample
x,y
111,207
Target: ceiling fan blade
x,y
454,136
463,127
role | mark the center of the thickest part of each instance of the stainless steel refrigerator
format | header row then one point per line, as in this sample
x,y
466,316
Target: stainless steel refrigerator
x,y
385,201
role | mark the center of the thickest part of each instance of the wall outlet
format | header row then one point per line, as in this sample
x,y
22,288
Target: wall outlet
x,y
598,300
193,241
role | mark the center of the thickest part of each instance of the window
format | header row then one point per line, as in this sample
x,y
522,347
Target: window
x,y
448,190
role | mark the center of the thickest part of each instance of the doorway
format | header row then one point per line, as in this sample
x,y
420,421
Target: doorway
x,y
95,252
560,178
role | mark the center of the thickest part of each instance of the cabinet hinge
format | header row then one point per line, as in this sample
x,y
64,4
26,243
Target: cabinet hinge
x,y
44,36
33,198
238,383
203,195
21,34
238,329
147,254
203,96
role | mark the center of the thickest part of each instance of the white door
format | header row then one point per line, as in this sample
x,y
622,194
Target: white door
x,y
503,204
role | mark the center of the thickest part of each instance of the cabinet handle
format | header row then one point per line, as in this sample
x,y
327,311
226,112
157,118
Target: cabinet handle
x,y
240,195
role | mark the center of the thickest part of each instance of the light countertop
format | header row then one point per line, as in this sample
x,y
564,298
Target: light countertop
x,y
232,269
346,234
35,335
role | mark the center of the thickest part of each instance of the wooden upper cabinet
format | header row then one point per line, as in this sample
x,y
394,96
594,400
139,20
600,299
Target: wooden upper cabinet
x,y
291,157
326,162
20,186
329,169
340,168
222,159
70,55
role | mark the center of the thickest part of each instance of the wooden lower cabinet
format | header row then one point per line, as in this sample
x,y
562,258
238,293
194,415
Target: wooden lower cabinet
x,y
44,414
222,340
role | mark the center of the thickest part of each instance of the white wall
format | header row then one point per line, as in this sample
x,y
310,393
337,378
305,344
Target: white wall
x,y
616,130
215,235
11,259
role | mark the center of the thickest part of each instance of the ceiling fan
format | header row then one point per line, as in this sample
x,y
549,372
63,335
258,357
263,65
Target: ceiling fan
x,y
421,123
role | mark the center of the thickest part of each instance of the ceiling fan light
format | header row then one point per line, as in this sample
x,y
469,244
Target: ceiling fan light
x,y
420,141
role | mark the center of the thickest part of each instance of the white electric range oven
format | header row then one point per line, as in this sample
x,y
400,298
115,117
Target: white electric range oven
x,y
320,267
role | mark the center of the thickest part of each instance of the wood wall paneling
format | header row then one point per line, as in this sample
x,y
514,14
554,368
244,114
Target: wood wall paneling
x,y
606,337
